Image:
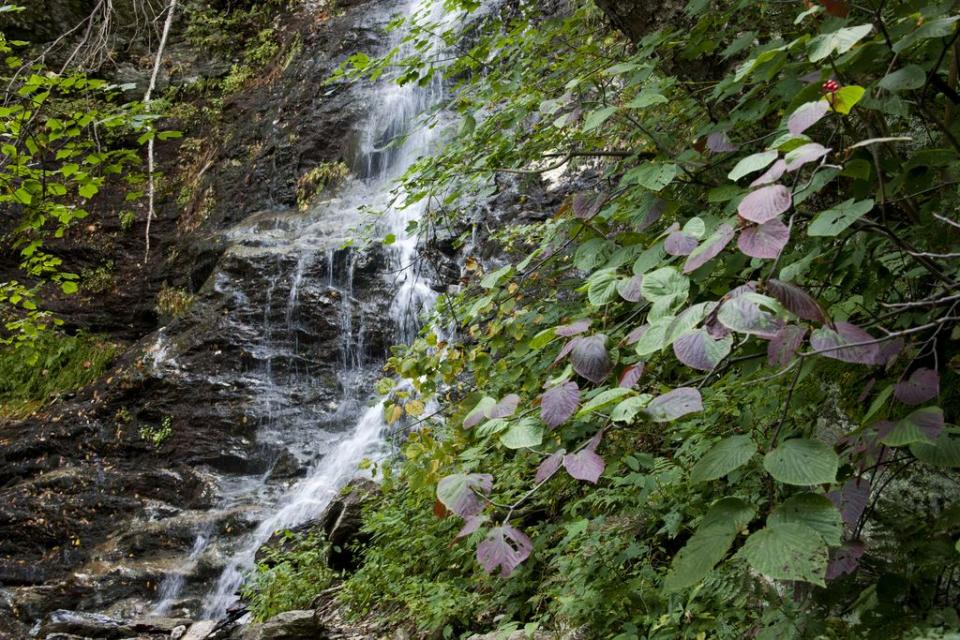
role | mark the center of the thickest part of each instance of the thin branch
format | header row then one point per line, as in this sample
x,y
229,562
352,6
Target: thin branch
x,y
151,188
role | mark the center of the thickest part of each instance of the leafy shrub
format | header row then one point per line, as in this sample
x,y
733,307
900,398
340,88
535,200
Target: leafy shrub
x,y
711,393
54,364
289,579
173,302
157,435
326,175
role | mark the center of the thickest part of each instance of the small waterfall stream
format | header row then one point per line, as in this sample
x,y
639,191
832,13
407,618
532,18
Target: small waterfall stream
x,y
390,142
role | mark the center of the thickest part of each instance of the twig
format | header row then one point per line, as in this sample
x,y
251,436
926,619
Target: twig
x,y
151,188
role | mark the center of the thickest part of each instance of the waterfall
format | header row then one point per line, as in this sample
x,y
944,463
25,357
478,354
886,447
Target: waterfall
x,y
394,115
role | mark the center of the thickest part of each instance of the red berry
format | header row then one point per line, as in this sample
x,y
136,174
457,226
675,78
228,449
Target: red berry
x,y
830,86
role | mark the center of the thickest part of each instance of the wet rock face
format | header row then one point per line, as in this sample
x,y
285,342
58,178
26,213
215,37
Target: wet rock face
x,y
101,495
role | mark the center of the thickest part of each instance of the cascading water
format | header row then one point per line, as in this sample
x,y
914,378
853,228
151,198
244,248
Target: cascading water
x,y
314,239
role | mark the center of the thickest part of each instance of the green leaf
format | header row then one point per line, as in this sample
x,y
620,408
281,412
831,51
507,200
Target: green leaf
x,y
603,399
68,287
389,239
628,409
695,227
833,221
787,551
479,412
945,452
839,41
596,118
939,28
906,79
647,99
802,462
527,432
602,287
665,283
725,456
543,338
920,425
491,427
844,100
88,190
492,280
655,337
811,510
752,164
653,175
709,544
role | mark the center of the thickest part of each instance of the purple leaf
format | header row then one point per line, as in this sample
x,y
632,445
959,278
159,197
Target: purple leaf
x,y
636,334
674,404
629,289
845,559
747,287
586,205
744,315
479,413
586,465
764,241
715,329
852,500
559,403
505,408
590,359
566,349
804,154
631,375
765,204
929,420
504,547
922,385
699,350
680,244
796,300
709,249
574,328
720,143
830,343
656,210
549,466
457,492
472,524
783,346
772,174
806,116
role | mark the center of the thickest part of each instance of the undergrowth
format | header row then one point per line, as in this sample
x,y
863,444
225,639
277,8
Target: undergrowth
x,y
54,365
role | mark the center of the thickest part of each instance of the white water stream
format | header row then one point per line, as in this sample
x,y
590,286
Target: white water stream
x,y
394,116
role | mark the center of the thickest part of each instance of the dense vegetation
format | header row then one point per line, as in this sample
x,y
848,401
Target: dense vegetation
x,y
711,395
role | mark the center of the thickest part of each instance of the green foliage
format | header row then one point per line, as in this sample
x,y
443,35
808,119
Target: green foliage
x,y
766,228
52,365
65,138
324,176
289,577
173,302
157,434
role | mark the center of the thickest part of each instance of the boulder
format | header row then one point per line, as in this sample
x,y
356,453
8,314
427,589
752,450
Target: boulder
x,y
290,625
342,522
90,625
199,630
156,625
